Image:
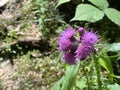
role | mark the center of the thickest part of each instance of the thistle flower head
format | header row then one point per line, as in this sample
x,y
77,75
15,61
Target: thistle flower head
x,y
66,38
83,51
69,58
72,48
90,38
68,33
81,30
65,44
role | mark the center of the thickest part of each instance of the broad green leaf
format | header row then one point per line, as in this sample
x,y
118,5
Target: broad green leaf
x,y
102,4
70,76
61,2
86,12
105,61
115,47
58,85
113,15
114,86
106,64
82,83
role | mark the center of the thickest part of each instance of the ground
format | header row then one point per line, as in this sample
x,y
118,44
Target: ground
x,y
27,61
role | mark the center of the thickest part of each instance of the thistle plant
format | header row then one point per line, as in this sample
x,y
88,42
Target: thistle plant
x,y
82,49
76,49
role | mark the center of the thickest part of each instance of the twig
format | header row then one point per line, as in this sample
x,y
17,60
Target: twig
x,y
24,41
2,47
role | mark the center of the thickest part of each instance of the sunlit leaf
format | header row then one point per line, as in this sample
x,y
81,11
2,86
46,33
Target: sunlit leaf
x,y
114,86
86,12
102,4
105,62
82,83
117,76
113,15
60,2
115,47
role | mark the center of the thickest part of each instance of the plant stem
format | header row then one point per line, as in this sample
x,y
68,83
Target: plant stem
x,y
88,84
97,67
70,76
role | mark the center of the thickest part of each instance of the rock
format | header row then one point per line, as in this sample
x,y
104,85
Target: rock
x,y
3,2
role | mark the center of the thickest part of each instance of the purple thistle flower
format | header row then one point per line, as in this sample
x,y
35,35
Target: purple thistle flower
x,y
69,58
66,39
83,51
65,44
81,30
68,33
89,38
70,45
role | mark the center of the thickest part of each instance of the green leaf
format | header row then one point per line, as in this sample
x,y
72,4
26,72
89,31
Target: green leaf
x,y
58,85
117,76
82,83
86,12
102,4
61,2
106,63
114,86
70,76
115,47
113,15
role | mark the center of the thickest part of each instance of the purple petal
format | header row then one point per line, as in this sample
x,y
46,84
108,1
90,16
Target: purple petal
x,y
69,58
83,51
68,33
65,44
81,30
89,38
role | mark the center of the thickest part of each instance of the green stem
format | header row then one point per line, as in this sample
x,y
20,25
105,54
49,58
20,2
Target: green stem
x,y
115,56
70,76
97,67
87,77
